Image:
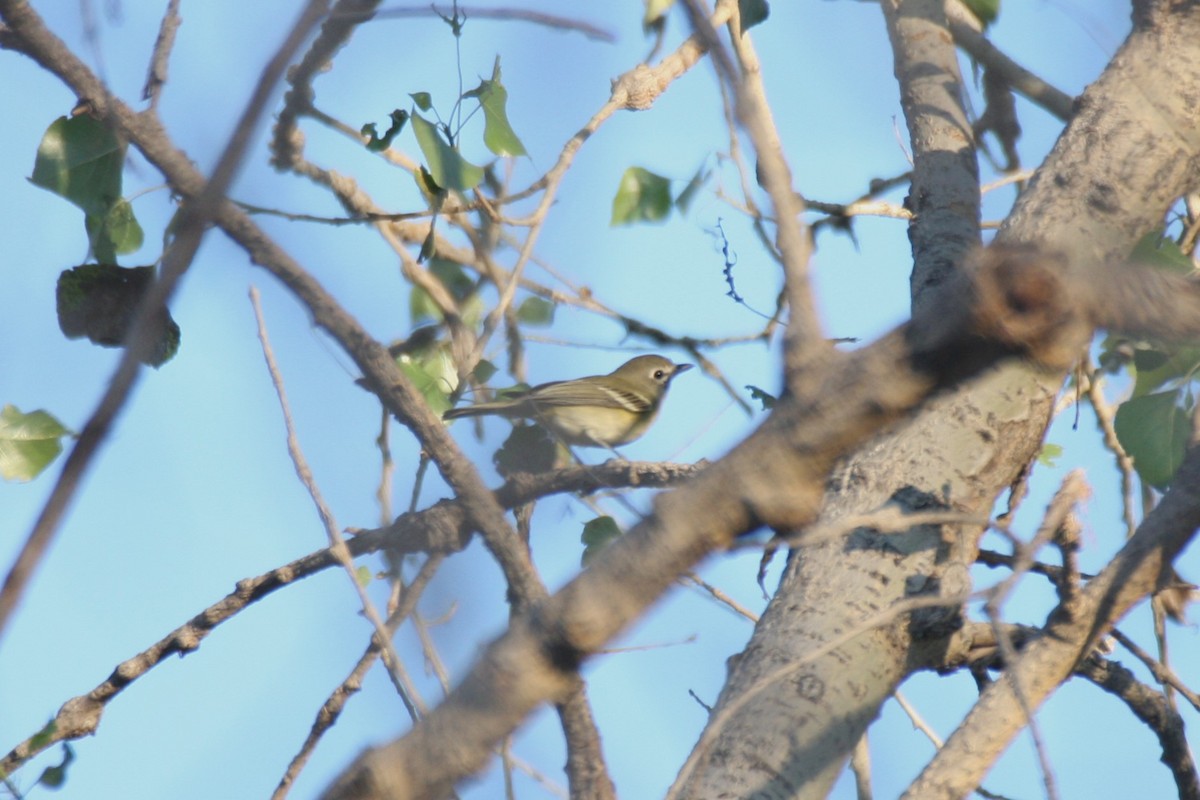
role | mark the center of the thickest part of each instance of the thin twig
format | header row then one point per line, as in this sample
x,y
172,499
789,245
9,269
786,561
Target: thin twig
x,y
1162,673
156,73
967,34
1105,418
1072,491
331,709
337,545
554,21
719,596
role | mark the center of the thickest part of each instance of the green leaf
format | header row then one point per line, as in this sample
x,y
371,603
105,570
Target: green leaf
x,y
99,301
1154,430
498,134
453,277
114,233
28,442
420,342
754,12
985,11
363,576
472,310
428,247
81,159
423,100
1116,351
536,311
1158,251
597,534
43,738
1156,368
767,399
1049,453
447,168
421,306
641,197
54,777
484,370
528,448
376,142
432,379
428,188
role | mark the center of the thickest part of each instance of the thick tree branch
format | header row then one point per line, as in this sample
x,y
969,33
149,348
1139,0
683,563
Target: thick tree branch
x,y
944,197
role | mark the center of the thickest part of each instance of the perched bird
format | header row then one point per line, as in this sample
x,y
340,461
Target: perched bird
x,y
596,411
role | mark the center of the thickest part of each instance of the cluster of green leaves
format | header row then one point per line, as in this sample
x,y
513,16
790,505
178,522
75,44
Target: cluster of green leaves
x,y
445,169
1155,423
424,357
83,161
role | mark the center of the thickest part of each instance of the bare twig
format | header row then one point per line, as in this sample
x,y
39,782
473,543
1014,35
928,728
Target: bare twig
x,y
967,34
337,544
329,712
1162,673
720,596
156,73
442,529
1105,416
553,21
805,343
1073,490
1151,708
1048,660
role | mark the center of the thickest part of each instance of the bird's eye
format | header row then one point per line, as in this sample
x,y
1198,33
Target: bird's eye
x,y
659,374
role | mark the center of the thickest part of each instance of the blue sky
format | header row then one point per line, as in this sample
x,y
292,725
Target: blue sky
x,y
195,491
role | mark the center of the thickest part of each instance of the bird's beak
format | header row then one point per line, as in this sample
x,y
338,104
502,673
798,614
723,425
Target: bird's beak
x,y
681,368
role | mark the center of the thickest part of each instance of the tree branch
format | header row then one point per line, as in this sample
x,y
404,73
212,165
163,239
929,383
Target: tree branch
x,y
944,197
440,530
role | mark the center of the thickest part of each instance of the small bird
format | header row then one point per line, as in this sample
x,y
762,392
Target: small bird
x,y
596,411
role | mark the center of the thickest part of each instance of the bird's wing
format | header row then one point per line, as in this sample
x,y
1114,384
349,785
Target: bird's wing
x,y
587,392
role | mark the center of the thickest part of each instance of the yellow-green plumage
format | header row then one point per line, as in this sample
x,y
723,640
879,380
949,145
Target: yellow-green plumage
x,y
599,410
